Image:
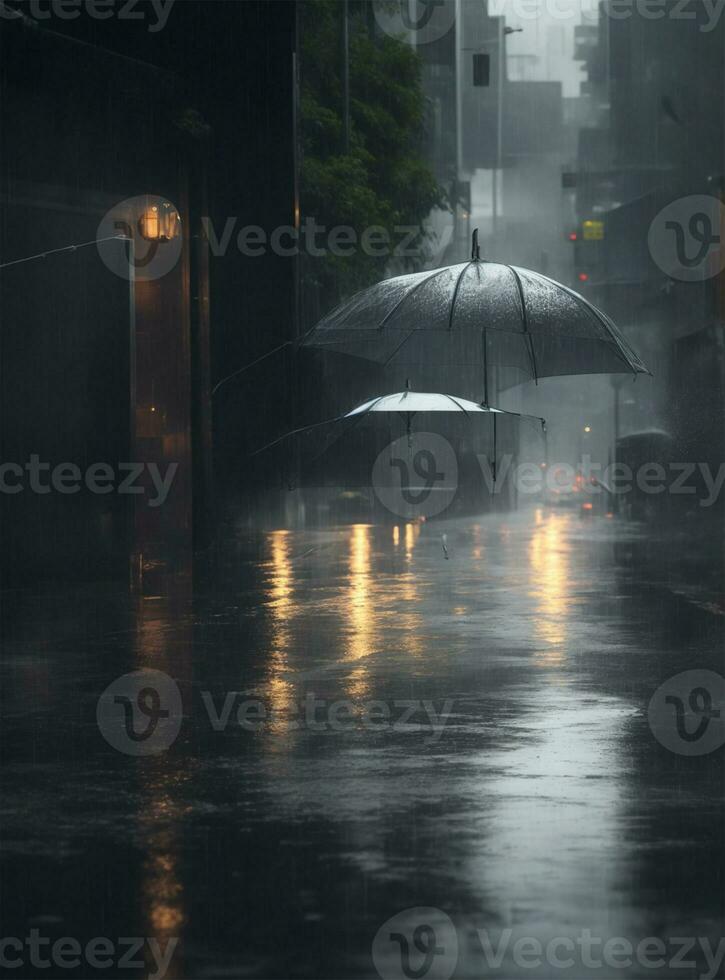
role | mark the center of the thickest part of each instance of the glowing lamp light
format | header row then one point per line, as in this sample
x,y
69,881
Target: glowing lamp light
x,y
587,428
160,223
573,237
583,277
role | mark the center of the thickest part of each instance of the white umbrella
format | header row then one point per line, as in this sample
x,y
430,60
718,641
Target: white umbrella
x,y
409,403
421,401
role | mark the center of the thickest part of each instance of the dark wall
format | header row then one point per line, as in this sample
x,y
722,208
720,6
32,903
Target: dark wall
x,y
236,59
200,112
79,132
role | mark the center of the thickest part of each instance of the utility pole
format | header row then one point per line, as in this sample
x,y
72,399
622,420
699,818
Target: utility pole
x,y
499,127
346,76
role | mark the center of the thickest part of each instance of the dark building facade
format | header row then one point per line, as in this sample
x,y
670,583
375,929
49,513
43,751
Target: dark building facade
x,y
99,122
657,142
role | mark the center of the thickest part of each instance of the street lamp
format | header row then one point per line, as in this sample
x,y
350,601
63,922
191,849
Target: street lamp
x,y
160,223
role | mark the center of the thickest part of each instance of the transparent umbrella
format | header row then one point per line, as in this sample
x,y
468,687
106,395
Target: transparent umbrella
x,y
407,404
481,314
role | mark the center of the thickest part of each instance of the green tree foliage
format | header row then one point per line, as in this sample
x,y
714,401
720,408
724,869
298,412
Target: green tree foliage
x,y
382,178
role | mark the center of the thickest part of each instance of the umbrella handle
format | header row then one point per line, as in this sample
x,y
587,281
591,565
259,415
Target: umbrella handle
x,y
408,430
495,440
484,339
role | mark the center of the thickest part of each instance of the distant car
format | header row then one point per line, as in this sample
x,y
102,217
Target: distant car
x,y
569,494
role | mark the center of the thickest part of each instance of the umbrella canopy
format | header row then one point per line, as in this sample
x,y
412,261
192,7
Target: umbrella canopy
x,y
477,313
406,403
421,401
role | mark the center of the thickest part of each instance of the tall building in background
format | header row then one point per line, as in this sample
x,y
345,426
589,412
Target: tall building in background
x,y
653,140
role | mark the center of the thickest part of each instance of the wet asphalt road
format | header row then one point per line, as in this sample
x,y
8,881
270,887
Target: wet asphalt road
x,y
467,733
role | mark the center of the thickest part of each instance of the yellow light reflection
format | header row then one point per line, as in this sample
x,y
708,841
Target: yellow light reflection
x,y
412,533
161,626
407,614
162,887
280,588
549,558
477,550
361,613
278,689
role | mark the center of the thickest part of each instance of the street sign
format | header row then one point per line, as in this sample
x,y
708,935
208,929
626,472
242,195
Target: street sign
x,y
593,231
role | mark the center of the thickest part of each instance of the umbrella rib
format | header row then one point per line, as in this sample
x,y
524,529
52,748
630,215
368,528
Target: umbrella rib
x,y
316,425
356,419
464,270
591,309
458,405
525,321
293,432
502,411
407,295
523,415
411,332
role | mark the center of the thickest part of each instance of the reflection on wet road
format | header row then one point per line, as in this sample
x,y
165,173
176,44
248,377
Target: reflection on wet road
x,y
478,744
